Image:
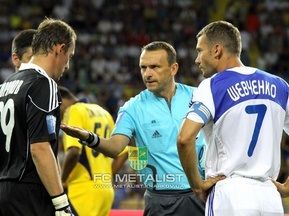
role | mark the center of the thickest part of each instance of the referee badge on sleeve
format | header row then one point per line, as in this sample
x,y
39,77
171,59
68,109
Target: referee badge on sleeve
x,y
137,157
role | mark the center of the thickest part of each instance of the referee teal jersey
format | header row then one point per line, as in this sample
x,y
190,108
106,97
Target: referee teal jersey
x,y
155,125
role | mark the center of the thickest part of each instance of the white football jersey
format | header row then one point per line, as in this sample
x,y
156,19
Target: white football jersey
x,y
248,110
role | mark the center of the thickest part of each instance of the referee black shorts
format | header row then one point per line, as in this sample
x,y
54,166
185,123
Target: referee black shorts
x,y
174,203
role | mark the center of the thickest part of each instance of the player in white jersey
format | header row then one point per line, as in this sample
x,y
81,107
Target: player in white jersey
x,y
243,112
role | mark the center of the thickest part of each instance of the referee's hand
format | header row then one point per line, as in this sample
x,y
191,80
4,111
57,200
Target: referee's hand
x,y
75,132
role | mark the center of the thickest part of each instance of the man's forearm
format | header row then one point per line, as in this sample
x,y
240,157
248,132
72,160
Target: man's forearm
x,y
188,158
46,165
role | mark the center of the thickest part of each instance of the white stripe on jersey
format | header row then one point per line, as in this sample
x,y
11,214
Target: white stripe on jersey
x,y
198,112
205,110
53,100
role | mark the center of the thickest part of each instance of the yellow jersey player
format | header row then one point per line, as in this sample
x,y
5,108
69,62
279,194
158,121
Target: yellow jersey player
x,y
86,173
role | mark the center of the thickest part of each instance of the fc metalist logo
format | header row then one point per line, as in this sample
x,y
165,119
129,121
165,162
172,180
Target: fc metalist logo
x,y
137,157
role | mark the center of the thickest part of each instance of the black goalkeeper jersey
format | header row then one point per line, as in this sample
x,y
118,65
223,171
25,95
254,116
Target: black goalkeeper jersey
x,y
29,113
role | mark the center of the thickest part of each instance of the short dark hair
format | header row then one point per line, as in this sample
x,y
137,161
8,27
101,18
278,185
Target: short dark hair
x,y
51,32
224,33
22,41
161,45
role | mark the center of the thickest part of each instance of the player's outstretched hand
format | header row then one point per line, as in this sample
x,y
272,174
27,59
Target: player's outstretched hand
x,y
282,188
75,131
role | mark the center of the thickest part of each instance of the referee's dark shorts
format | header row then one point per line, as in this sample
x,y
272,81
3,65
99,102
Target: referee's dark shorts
x,y
24,199
172,202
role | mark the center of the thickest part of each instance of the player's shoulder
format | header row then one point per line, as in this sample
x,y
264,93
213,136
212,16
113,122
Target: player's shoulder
x,y
32,81
99,109
33,73
82,107
77,106
25,75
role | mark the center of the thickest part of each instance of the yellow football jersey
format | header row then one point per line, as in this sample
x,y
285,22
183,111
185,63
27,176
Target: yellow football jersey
x,y
90,180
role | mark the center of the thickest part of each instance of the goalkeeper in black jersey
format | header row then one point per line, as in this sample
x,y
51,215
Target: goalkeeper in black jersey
x,y
30,118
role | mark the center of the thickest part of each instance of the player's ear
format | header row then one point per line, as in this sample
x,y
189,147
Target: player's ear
x,y
15,60
59,48
63,48
217,51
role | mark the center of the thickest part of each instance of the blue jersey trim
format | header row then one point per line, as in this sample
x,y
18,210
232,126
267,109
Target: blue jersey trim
x,y
235,88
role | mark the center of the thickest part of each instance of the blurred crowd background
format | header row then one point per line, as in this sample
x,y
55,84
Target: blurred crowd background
x,y
111,33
